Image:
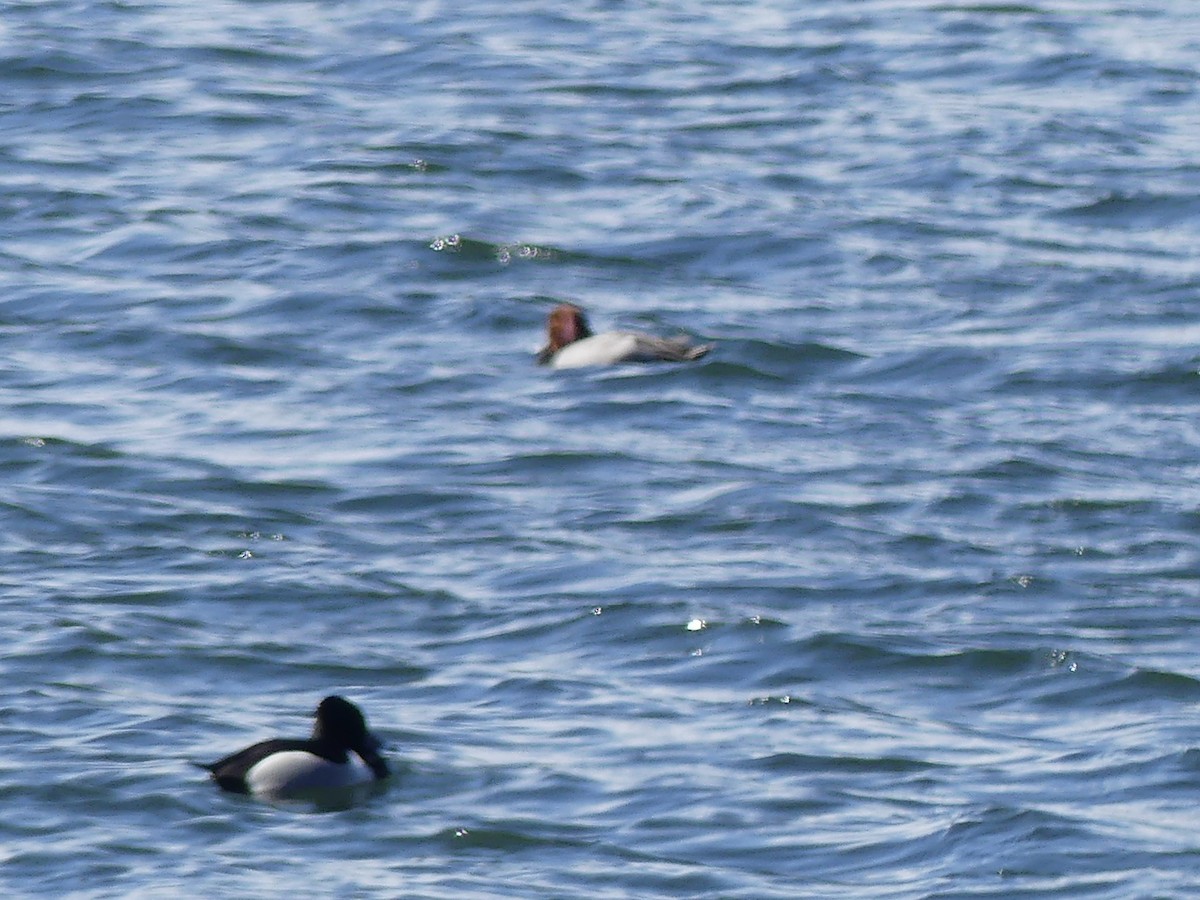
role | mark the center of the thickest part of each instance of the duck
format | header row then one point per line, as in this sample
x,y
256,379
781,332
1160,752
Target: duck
x,y
342,753
571,344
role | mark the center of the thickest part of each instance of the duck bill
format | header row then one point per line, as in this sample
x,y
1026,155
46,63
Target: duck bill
x,y
370,752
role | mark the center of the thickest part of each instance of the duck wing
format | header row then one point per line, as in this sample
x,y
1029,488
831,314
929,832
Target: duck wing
x,y
230,773
674,349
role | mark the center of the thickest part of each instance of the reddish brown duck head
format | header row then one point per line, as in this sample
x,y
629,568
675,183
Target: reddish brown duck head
x,y
565,325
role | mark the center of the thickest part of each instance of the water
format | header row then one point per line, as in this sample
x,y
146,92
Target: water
x,y
892,595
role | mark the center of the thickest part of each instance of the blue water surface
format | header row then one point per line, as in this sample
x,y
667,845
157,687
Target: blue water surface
x,y
891,595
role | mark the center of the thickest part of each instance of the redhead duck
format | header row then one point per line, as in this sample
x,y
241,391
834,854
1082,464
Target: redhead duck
x,y
571,344
285,768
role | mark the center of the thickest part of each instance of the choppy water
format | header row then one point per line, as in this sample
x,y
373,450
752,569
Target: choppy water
x,y
893,595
